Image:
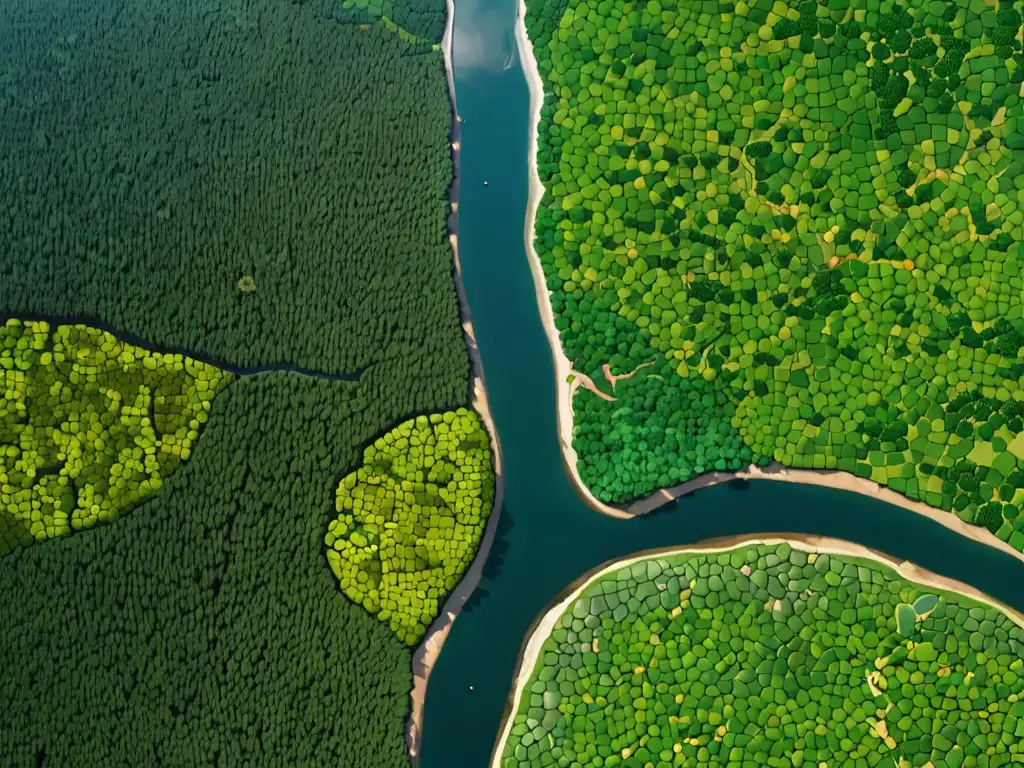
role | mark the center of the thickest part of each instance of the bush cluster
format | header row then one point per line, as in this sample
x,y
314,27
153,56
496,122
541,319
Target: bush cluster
x,y
810,216
89,426
771,656
411,518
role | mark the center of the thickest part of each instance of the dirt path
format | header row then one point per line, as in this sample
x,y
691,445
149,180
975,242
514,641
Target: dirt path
x,y
582,380
612,378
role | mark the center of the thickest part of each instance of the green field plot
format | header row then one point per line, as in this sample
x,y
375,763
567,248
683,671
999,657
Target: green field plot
x,y
771,656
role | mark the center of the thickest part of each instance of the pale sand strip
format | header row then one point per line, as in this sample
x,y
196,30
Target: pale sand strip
x,y
426,654
565,391
542,626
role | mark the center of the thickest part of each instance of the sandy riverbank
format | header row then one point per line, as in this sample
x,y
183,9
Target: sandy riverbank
x,y
565,390
542,626
426,654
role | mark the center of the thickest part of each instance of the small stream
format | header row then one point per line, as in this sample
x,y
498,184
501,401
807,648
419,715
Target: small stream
x,y
547,537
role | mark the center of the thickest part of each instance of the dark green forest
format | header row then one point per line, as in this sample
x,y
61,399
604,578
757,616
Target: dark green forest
x,y
252,183
420,18
207,629
156,153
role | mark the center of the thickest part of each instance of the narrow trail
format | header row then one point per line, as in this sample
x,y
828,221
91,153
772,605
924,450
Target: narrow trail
x,y
582,380
613,378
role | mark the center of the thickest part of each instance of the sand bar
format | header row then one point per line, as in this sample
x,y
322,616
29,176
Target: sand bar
x,y
542,626
426,654
565,391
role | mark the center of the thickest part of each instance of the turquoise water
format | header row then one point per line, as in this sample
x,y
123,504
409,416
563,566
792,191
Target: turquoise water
x,y
547,536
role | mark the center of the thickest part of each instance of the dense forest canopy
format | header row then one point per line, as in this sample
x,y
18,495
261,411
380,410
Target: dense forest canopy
x,y
156,153
206,627
806,219
253,183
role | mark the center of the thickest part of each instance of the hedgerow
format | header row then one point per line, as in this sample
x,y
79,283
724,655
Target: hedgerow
x,y
808,215
412,517
197,146
89,426
206,627
771,656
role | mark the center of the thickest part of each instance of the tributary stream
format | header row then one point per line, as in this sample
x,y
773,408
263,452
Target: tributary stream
x,y
547,536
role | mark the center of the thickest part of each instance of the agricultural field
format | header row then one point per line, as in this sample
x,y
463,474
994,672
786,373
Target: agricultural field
x,y
805,218
411,518
263,187
770,655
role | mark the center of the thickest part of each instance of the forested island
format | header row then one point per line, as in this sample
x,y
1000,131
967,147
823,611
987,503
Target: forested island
x,y
773,654
797,226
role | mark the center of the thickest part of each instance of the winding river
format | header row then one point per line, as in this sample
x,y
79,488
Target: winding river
x,y
547,537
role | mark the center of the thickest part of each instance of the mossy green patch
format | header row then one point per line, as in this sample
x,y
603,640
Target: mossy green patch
x,y
90,426
411,518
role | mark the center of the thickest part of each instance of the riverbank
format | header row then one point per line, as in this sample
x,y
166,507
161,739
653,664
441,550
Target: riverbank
x,y
828,479
541,628
426,654
566,390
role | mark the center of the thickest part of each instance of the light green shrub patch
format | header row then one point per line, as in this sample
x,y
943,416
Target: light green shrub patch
x,y
771,656
411,518
89,426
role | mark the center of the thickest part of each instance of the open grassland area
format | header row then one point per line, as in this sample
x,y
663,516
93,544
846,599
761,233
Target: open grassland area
x,y
769,656
807,217
208,205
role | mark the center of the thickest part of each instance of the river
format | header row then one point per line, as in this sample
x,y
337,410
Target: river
x,y
547,536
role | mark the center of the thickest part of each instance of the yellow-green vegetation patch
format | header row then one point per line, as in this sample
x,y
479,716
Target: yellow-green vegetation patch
x,y
411,518
771,656
809,216
90,426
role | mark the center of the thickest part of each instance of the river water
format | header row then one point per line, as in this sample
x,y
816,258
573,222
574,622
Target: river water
x,y
547,537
